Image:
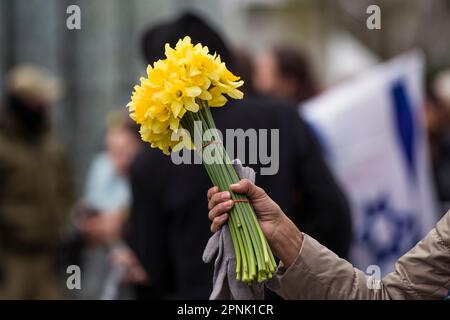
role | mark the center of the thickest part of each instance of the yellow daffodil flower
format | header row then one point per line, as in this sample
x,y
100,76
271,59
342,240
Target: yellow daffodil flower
x,y
174,86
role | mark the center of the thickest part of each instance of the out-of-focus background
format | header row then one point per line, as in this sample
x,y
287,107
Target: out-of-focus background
x,y
101,62
98,65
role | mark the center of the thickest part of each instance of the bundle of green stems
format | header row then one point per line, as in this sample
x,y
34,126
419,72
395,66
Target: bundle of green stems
x,y
254,259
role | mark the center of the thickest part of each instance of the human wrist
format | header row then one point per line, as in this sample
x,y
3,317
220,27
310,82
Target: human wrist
x,y
287,241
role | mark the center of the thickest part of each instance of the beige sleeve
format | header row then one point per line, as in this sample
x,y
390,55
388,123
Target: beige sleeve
x,y
422,273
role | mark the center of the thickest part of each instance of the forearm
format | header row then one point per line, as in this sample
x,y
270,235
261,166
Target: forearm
x,y
286,242
317,273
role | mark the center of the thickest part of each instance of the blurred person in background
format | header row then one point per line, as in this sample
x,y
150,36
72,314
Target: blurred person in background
x,y
104,209
36,188
286,73
244,67
168,226
438,125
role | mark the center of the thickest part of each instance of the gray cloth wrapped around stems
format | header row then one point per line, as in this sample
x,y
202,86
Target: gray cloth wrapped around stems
x,y
220,247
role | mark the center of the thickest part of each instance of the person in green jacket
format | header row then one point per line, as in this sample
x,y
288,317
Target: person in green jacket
x,y
36,189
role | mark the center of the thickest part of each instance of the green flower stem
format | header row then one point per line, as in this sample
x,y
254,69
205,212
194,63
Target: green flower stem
x,y
270,267
238,243
254,259
244,228
249,270
241,207
232,228
254,227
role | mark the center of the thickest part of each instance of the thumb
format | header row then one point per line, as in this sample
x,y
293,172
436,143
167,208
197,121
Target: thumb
x,y
247,187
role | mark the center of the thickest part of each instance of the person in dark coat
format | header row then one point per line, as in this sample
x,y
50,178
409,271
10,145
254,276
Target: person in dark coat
x,y
168,226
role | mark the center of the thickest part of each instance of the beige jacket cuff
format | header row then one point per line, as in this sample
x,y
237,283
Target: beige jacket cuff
x,y
317,273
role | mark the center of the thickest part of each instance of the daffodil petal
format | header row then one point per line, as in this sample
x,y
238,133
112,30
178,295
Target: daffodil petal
x,y
193,91
176,107
205,95
191,105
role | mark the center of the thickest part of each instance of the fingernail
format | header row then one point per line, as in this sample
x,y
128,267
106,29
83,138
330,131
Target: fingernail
x,y
228,204
234,185
226,195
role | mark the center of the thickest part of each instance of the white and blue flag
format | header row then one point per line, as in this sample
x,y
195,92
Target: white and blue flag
x,y
372,134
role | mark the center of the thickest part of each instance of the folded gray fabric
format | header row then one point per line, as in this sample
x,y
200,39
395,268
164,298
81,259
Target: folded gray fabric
x,y
220,247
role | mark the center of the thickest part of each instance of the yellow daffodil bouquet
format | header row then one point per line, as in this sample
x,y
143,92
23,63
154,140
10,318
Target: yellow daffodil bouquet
x,y
169,104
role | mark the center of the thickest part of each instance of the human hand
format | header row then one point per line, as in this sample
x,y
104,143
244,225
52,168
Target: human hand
x,y
282,235
102,228
135,273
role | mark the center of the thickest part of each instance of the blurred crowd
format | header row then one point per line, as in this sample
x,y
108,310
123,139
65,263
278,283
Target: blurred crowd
x,y
139,226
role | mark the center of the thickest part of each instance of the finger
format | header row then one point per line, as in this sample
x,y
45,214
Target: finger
x,y
247,187
218,198
218,222
212,191
220,209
